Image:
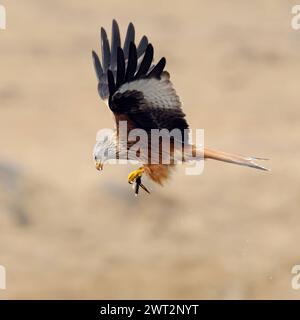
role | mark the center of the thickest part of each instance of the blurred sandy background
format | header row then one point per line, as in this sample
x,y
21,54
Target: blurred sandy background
x,y
68,231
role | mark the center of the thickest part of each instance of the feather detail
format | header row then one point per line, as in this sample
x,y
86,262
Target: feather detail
x,y
130,35
132,63
142,46
233,158
146,62
115,44
158,173
127,64
105,50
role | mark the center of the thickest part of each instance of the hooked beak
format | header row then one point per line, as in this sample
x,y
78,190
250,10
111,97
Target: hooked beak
x,y
99,165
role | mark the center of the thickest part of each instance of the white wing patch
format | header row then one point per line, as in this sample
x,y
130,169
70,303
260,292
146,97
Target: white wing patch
x,y
158,92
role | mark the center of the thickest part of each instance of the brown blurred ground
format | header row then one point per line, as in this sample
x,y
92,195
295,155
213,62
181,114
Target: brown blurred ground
x,y
67,231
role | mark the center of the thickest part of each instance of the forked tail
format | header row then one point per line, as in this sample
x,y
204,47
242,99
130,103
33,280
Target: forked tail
x,y
233,158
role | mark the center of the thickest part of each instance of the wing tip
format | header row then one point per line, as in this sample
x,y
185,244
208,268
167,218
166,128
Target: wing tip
x,y
94,54
258,166
103,32
130,26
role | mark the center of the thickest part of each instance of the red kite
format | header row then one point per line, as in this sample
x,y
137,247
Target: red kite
x,y
140,92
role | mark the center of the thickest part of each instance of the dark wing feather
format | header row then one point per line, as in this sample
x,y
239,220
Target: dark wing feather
x,y
111,82
142,46
158,68
132,63
97,66
105,50
146,62
115,44
130,35
121,67
127,64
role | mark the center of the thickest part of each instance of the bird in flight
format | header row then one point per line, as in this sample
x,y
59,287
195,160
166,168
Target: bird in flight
x,y
139,92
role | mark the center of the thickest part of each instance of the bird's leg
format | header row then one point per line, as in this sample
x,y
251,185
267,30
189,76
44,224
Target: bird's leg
x,y
136,178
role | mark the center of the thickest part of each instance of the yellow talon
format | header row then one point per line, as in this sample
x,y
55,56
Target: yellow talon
x,y
135,174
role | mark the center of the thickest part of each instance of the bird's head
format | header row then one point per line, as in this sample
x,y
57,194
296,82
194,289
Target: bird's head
x,y
104,149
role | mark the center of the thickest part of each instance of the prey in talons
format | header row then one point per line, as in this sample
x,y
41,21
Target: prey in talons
x,y
135,178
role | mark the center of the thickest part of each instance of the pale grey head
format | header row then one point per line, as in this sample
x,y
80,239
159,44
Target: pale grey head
x,y
105,148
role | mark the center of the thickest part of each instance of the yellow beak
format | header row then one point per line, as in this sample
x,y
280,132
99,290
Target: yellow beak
x,y
99,165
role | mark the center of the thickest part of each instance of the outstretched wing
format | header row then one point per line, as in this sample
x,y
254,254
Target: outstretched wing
x,y
110,54
137,90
